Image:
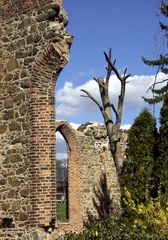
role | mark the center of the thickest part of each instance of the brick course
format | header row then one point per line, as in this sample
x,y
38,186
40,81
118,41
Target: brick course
x,y
14,8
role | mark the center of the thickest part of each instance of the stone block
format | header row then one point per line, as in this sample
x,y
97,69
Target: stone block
x,y
5,206
2,181
8,103
12,65
23,216
12,89
8,77
8,115
11,193
14,126
20,170
16,205
14,182
29,60
15,158
23,109
24,192
30,39
3,129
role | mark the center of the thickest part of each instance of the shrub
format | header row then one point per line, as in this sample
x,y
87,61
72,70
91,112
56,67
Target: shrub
x,y
111,229
161,165
138,166
151,216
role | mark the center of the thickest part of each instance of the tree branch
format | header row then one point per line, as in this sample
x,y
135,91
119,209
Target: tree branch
x,y
125,72
107,109
120,105
114,109
108,68
126,75
154,84
91,97
100,81
113,67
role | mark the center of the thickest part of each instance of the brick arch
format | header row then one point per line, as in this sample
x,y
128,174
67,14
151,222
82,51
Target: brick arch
x,y
74,168
48,64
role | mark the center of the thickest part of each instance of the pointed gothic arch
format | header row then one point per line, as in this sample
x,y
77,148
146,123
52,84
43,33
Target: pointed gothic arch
x,y
74,177
47,67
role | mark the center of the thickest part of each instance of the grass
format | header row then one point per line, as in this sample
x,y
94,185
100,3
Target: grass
x,y
61,211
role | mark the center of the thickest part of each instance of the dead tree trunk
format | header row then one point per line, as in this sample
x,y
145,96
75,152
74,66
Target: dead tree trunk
x,y
108,109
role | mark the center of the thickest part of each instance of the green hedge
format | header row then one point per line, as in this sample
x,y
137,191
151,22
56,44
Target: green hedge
x,y
110,229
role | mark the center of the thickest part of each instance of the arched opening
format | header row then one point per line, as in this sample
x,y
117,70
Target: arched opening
x,y
73,169
46,69
62,163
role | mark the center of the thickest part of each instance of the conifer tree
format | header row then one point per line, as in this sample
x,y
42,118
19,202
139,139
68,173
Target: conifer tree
x,y
161,165
161,63
139,162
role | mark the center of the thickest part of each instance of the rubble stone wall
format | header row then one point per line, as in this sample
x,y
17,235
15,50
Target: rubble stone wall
x,y
92,178
98,173
34,47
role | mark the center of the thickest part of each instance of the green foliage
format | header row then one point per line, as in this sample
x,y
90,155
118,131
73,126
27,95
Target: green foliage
x,y
164,8
161,164
138,167
111,229
161,63
144,217
150,217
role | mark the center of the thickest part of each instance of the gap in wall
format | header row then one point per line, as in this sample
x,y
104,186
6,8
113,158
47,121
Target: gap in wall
x,y
62,200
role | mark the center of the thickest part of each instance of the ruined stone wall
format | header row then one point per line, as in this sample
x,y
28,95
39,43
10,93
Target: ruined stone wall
x,y
34,47
91,171
98,170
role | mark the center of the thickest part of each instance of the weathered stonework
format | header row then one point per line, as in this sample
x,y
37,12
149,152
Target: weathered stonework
x,y
89,159
97,164
34,47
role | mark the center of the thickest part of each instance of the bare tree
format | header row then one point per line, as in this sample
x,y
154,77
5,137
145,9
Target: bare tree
x,y
62,176
107,108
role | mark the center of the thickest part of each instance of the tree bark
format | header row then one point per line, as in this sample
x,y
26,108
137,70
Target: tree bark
x,y
108,109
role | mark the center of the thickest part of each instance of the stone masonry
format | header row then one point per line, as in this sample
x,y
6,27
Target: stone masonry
x,y
34,48
89,158
96,163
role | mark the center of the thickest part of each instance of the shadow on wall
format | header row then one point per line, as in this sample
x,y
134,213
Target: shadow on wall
x,y
104,205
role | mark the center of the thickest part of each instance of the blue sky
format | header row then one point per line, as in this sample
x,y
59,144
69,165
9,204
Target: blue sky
x,y
131,29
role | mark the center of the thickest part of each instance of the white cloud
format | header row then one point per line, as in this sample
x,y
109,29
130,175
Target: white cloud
x,y
61,147
61,156
59,137
125,126
74,125
70,103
